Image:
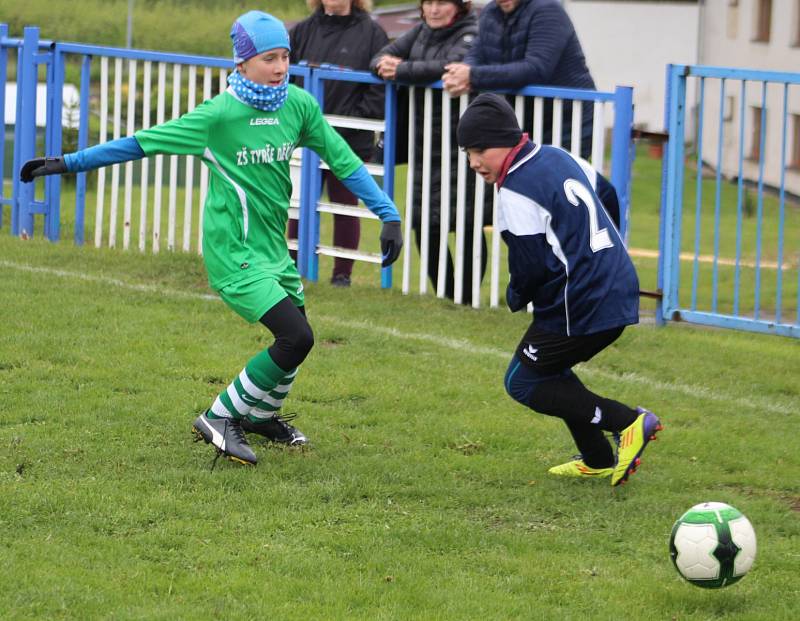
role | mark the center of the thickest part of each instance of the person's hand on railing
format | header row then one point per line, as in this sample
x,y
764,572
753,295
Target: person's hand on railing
x,y
456,79
387,66
41,166
391,242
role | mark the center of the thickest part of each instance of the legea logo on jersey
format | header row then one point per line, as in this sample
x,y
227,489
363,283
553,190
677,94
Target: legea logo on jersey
x,y
268,154
266,120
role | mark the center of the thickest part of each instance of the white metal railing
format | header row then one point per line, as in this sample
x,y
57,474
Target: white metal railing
x,y
467,245
176,224
183,221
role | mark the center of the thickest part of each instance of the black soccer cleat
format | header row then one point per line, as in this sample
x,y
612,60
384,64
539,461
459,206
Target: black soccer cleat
x,y
277,429
227,436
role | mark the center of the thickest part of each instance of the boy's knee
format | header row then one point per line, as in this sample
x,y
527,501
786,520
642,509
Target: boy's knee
x,y
304,340
292,346
531,388
520,382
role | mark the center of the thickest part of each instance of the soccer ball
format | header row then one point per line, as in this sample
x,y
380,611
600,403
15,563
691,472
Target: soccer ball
x,y
712,545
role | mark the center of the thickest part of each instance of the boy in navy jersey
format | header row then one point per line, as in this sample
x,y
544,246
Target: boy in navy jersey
x,y
566,257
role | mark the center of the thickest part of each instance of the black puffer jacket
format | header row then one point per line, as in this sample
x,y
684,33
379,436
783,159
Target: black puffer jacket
x,y
426,52
349,41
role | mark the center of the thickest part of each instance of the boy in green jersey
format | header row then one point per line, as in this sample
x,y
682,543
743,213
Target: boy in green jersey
x,y
246,137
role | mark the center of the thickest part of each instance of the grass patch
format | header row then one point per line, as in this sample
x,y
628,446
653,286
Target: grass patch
x,y
425,495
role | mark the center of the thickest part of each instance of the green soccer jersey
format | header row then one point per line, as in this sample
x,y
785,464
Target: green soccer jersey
x,y
247,151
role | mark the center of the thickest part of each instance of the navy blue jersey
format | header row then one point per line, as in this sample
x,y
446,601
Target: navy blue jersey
x,y
565,254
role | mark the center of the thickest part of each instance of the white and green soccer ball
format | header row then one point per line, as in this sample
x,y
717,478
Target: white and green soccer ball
x,y
712,545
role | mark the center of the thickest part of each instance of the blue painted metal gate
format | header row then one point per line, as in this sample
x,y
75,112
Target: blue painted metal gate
x,y
730,217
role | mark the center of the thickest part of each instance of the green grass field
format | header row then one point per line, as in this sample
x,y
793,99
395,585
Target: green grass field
x,y
425,495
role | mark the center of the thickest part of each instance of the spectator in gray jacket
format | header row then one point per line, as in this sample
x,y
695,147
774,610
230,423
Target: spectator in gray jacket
x,y
445,34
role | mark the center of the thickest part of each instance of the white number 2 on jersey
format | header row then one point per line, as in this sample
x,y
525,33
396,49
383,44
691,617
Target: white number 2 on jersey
x,y
578,193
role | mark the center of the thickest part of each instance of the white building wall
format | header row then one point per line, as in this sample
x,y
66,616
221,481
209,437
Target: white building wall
x,y
631,43
728,31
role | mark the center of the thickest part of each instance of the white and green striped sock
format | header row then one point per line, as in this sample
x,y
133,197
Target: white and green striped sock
x,y
272,401
255,383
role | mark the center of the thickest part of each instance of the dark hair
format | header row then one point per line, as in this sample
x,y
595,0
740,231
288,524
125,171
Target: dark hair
x,y
464,7
364,5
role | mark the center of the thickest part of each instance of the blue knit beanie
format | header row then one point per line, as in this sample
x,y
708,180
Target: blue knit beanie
x,y
256,32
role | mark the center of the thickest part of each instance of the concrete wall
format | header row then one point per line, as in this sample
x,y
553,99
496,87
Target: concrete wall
x,y
630,44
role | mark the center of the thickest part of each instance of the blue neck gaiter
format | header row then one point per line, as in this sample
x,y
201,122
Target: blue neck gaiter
x,y
260,96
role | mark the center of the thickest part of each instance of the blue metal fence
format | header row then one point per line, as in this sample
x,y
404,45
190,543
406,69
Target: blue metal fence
x,y
34,53
311,221
87,54
723,262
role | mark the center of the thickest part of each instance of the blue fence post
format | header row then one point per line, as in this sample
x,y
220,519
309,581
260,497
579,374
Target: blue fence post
x,y
27,70
302,235
312,177
55,106
310,160
83,142
3,82
663,210
389,146
15,163
669,268
622,152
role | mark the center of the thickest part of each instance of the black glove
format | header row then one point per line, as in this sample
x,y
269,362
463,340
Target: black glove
x,y
40,166
391,242
514,300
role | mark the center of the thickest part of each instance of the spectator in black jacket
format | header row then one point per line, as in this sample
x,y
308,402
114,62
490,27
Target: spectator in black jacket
x,y
342,32
524,42
447,31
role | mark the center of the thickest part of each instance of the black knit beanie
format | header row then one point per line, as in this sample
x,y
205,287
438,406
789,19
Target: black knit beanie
x,y
488,122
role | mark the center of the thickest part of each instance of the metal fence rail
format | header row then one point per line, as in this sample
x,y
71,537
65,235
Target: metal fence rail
x,y
385,170
157,203
467,244
742,270
137,70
